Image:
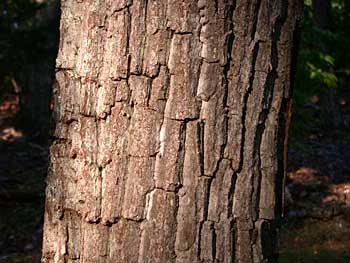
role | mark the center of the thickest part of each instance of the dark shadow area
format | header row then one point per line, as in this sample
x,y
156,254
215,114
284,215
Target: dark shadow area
x,y
317,222
29,32
316,226
28,47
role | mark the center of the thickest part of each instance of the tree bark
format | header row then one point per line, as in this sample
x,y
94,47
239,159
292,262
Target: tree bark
x,y
168,144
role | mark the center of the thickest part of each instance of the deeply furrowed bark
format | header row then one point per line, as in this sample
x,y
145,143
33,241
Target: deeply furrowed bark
x,y
169,131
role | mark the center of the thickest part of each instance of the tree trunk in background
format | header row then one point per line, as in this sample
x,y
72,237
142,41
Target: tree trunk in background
x,y
38,74
169,131
322,18
346,5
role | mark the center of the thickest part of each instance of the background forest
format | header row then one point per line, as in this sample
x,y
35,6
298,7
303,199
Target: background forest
x,y
316,227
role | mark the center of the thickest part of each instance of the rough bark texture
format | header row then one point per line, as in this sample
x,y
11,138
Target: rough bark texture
x,y
169,131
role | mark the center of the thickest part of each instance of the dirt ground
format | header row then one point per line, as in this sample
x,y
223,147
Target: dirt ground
x,y
23,166
316,226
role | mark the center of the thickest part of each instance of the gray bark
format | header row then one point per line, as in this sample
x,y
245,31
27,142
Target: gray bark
x,y
169,131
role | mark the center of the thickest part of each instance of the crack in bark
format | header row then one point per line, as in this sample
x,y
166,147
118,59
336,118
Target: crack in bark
x,y
180,156
200,144
245,103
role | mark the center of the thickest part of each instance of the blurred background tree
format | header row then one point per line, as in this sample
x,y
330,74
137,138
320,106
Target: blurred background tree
x,y
28,46
323,69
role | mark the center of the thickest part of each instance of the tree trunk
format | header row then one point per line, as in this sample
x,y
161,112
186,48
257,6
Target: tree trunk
x,y
37,74
322,18
169,131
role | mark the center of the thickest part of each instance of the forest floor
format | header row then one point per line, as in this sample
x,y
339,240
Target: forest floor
x,y
316,225
23,166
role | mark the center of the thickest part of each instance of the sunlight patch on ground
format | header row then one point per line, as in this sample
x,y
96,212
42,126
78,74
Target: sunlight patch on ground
x,y
338,193
10,134
306,176
9,105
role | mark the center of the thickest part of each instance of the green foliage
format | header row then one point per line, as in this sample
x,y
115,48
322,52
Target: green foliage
x,y
315,64
324,60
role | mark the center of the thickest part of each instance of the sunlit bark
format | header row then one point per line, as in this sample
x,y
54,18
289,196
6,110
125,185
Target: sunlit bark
x,y
170,127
